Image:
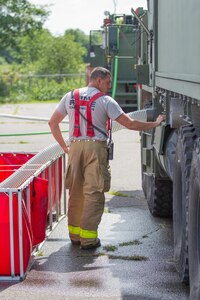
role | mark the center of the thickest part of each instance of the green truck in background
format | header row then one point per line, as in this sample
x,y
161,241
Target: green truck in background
x,y
115,47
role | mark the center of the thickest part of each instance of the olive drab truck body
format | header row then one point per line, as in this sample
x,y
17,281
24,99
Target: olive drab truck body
x,y
168,80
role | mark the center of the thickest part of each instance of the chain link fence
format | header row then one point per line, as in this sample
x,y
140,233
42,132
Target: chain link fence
x,y
39,87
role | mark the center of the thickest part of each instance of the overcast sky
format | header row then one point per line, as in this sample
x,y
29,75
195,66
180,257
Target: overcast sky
x,y
83,14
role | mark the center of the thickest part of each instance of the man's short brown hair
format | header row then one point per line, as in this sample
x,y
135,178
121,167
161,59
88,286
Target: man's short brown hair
x,y
101,72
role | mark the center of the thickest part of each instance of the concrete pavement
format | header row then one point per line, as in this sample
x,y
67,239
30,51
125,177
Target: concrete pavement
x,y
135,260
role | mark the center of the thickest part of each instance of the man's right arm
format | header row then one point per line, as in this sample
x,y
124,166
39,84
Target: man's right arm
x,y
54,122
132,124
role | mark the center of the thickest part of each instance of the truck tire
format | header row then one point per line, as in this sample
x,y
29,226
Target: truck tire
x,y
181,175
159,197
194,225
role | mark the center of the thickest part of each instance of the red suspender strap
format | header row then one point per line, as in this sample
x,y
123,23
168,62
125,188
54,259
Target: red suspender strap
x,y
87,103
108,125
77,131
90,129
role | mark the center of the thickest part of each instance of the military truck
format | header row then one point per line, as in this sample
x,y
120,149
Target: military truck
x,y
114,47
168,79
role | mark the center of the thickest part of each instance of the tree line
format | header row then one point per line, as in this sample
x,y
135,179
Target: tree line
x,y
28,50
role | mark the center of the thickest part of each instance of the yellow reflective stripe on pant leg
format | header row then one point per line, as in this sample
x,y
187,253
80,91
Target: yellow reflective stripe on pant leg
x,y
88,234
74,230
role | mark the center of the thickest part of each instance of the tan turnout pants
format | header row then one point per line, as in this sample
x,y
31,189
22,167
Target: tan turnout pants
x,y
87,177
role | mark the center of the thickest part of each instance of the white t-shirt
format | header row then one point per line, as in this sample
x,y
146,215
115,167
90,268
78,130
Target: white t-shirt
x,y
103,108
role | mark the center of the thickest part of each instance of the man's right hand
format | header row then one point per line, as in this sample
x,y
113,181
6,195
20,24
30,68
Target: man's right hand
x,y
160,119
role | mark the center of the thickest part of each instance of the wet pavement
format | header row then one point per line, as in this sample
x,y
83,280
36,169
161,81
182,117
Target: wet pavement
x,y
135,260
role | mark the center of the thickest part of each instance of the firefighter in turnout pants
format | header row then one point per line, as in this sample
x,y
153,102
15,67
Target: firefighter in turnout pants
x,y
88,172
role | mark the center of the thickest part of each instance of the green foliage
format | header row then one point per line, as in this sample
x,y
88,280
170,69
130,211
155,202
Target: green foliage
x,y
107,210
30,48
96,37
39,253
18,18
46,89
134,242
3,87
60,56
109,248
119,194
133,257
19,88
79,36
33,62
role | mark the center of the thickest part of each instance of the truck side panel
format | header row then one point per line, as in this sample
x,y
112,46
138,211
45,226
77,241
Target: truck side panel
x,y
177,55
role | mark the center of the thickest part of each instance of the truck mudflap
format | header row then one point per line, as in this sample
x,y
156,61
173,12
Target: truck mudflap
x,y
165,140
158,195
